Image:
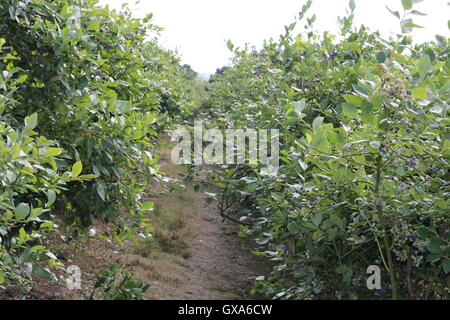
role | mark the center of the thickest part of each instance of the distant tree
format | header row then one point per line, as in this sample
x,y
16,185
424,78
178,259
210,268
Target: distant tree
x,y
190,73
219,72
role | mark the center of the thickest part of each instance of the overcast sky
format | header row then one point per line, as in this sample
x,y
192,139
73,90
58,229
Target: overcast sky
x,y
199,29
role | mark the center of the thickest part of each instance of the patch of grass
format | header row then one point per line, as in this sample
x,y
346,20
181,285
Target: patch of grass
x,y
168,235
171,220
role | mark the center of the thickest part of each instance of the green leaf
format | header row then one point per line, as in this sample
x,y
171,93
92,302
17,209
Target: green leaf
x,y
293,228
31,122
123,106
320,141
36,212
51,196
44,274
418,13
147,205
436,109
424,233
355,100
432,257
317,122
317,235
375,144
22,236
408,25
361,90
424,65
316,219
435,245
352,5
76,169
349,110
53,152
22,211
299,106
394,13
337,220
419,93
446,265
309,225
342,175
93,26
381,56
101,190
230,45
407,4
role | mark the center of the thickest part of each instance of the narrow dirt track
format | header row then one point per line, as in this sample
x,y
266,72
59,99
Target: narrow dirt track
x,y
215,266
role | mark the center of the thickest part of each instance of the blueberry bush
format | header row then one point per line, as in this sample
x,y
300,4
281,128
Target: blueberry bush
x,y
84,91
364,160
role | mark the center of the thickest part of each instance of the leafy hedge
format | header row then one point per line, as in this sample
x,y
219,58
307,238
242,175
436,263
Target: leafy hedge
x,y
364,161
96,83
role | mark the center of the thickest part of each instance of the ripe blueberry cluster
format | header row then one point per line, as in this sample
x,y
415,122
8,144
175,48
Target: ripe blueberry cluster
x,y
409,163
333,54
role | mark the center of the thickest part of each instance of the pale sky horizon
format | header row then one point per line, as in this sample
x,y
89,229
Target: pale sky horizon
x,y
199,29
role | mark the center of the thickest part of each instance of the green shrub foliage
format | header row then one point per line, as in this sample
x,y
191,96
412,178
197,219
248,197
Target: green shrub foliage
x,y
364,161
83,92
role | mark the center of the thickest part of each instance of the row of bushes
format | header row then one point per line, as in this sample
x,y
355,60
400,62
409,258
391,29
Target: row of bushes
x,y
363,178
84,90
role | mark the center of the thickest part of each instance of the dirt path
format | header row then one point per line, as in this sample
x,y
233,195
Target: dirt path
x,y
211,263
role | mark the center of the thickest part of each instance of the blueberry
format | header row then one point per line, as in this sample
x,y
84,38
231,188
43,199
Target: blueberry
x,y
408,130
406,162
406,168
436,169
380,206
413,163
399,226
333,54
408,92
